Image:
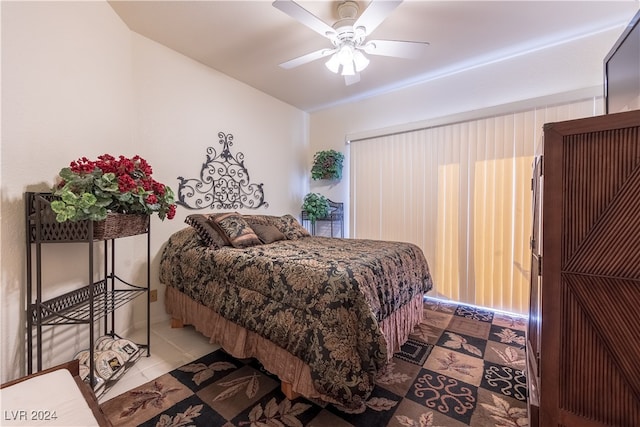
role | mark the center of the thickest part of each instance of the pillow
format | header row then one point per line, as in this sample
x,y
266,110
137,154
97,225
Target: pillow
x,y
291,228
235,229
267,233
206,231
262,219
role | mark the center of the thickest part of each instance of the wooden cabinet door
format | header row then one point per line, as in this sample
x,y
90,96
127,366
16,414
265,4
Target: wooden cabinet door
x,y
589,343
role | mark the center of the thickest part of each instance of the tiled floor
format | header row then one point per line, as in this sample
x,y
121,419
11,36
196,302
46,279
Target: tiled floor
x,y
462,366
170,349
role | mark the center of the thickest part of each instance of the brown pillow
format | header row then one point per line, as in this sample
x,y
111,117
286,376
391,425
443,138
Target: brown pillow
x,y
207,233
235,229
262,219
267,233
291,228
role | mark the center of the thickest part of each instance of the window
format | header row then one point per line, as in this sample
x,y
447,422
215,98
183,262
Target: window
x,y
462,192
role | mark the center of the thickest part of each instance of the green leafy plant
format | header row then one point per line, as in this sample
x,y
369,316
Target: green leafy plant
x,y
89,190
316,206
327,164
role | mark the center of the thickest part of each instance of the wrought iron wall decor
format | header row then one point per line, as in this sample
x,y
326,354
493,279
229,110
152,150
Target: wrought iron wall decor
x,y
223,184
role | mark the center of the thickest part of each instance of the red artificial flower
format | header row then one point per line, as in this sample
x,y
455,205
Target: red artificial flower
x,y
172,212
126,184
132,176
158,188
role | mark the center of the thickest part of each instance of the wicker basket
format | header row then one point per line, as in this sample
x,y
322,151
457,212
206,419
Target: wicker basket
x,y
42,218
120,225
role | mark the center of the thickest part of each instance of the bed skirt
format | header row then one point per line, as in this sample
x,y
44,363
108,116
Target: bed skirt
x,y
242,343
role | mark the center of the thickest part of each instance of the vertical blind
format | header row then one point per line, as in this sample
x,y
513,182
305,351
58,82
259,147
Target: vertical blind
x,y
462,193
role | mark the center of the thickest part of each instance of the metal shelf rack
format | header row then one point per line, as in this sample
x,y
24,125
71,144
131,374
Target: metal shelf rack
x,y
97,301
332,224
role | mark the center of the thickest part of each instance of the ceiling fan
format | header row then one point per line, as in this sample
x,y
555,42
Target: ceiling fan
x,y
348,37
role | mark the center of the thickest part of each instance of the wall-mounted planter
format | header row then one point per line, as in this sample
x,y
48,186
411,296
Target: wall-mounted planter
x,y
327,164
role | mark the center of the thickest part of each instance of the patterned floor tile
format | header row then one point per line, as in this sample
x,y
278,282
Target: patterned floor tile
x,y
509,336
510,321
505,354
412,414
398,376
415,352
146,401
378,410
427,333
498,410
469,327
186,412
474,313
463,343
235,392
457,365
274,409
326,418
444,394
206,370
437,305
505,380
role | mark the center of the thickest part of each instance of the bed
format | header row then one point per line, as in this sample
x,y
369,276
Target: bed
x,y
323,314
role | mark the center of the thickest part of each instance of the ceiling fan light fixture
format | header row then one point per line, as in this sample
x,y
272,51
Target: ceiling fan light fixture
x,y
369,47
348,69
349,58
361,62
345,53
333,64
349,54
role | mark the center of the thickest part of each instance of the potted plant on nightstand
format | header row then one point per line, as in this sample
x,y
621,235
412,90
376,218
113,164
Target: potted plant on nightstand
x,y
316,206
327,164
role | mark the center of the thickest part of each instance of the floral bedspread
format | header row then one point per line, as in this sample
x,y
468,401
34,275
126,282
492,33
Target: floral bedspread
x,y
319,298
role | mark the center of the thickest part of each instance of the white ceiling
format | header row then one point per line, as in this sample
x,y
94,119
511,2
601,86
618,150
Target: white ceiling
x,y
248,39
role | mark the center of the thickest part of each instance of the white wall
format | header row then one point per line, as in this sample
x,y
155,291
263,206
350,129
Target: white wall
x,y
182,105
531,75
67,91
76,82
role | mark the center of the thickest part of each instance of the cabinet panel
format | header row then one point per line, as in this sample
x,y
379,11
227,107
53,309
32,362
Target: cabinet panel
x,y
588,292
535,296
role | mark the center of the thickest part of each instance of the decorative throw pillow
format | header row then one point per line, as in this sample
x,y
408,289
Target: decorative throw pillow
x,y
206,231
291,228
236,230
267,233
261,219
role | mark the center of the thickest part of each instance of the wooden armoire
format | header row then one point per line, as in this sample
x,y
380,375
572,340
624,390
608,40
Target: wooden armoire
x,y
583,339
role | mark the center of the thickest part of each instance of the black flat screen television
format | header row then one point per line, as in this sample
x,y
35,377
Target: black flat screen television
x,y
622,71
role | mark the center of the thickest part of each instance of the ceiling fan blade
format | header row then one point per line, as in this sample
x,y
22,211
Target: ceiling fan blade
x,y
349,80
395,48
375,13
295,62
305,17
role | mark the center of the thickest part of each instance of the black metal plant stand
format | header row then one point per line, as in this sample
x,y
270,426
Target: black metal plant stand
x,y
335,220
92,303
